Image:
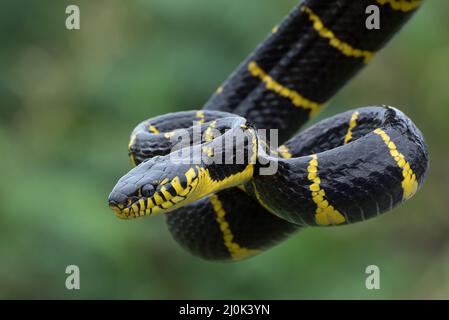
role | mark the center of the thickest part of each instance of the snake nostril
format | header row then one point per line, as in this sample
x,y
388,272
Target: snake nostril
x,y
112,203
115,199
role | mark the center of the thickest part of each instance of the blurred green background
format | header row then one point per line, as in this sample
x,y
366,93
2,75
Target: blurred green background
x,y
69,100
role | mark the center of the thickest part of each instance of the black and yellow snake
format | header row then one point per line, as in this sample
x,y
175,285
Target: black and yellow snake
x,y
344,169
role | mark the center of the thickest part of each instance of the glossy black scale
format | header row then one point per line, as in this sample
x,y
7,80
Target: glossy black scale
x,y
297,57
355,176
201,235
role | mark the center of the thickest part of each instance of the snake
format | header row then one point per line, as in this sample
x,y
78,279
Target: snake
x,y
238,176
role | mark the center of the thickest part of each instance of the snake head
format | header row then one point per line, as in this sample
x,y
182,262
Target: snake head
x,y
167,182
155,186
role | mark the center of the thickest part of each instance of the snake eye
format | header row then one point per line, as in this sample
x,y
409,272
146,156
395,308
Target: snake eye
x,y
147,190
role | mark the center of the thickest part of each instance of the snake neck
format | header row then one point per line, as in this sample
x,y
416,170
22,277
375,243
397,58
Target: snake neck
x,y
229,161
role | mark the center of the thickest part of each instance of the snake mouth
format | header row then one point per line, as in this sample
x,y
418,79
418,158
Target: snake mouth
x,y
167,196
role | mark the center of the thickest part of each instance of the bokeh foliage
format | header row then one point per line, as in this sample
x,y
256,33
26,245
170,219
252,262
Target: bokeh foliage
x,y
69,100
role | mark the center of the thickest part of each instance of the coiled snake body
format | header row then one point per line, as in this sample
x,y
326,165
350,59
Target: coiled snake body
x,y
344,169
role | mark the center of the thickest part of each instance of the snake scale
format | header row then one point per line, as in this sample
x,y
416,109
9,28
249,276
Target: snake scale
x,y
348,168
